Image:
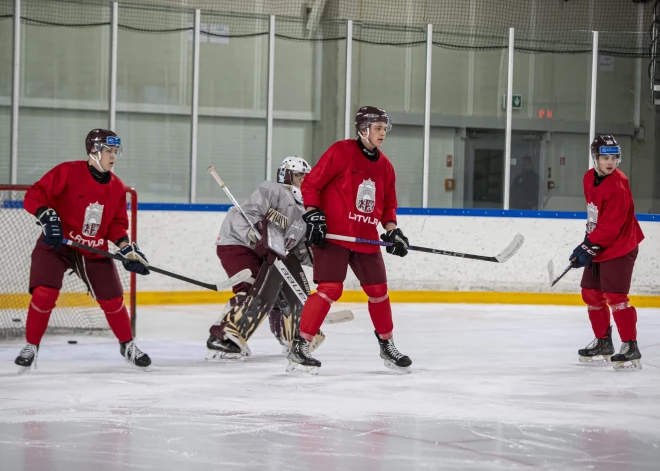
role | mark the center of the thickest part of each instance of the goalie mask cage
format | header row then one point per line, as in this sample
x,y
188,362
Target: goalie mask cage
x,y
76,311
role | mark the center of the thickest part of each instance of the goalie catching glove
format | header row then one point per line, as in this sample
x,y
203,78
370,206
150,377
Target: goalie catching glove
x,y
316,229
584,253
134,260
396,237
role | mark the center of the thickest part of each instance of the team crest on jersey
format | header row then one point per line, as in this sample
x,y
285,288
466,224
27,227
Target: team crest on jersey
x,y
93,215
592,217
366,196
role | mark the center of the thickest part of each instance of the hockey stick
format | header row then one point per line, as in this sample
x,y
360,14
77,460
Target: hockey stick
x,y
551,272
333,317
239,277
505,255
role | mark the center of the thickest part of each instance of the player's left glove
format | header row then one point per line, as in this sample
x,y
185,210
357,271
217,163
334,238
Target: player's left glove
x,y
134,260
584,253
396,237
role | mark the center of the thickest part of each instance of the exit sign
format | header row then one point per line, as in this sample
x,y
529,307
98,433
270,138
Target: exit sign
x,y
516,101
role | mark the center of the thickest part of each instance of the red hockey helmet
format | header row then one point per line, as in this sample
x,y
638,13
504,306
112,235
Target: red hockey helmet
x,y
605,144
97,138
367,115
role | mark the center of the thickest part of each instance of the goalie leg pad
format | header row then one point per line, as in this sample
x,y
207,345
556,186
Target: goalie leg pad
x,y
41,305
599,312
276,321
625,315
245,317
317,307
217,329
380,309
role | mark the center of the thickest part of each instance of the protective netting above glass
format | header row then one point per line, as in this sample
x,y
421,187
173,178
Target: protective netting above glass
x,y
555,26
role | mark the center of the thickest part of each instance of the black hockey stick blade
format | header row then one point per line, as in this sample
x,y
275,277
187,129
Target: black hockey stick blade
x,y
505,255
240,276
551,273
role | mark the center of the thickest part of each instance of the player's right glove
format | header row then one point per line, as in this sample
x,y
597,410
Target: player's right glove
x,y
584,253
51,225
316,229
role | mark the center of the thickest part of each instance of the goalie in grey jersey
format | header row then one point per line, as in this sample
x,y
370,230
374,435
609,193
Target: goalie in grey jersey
x,y
264,294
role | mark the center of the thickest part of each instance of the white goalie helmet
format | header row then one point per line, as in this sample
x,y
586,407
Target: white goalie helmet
x,y
290,166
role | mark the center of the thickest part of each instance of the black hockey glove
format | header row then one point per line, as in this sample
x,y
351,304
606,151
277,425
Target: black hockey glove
x,y
134,260
50,223
584,253
396,237
316,229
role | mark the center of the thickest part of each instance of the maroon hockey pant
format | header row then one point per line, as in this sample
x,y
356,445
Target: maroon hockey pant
x,y
235,258
99,274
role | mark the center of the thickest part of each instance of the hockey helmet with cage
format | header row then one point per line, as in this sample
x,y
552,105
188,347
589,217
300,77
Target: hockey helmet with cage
x,y
367,115
605,145
290,167
97,138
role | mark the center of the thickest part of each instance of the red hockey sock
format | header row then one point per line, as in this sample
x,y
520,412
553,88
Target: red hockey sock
x,y
599,312
317,307
625,316
380,309
600,320
41,305
117,316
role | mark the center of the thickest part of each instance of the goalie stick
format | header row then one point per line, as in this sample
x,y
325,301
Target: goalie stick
x,y
239,277
333,317
551,272
505,255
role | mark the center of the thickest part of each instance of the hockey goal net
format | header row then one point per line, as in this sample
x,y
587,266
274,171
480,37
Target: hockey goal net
x,y
75,311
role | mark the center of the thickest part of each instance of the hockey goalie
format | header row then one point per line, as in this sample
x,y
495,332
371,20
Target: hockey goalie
x,y
274,211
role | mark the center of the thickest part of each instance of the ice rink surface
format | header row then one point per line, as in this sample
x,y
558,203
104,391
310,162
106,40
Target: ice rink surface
x,y
492,388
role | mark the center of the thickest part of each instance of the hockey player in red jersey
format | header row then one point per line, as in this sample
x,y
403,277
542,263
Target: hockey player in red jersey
x,y
608,255
85,202
349,192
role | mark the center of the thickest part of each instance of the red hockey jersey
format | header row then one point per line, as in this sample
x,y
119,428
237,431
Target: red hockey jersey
x,y
611,220
355,193
91,212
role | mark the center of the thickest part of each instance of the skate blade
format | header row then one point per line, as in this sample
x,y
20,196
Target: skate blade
x,y
627,365
293,367
598,360
23,369
218,356
146,369
402,370
240,343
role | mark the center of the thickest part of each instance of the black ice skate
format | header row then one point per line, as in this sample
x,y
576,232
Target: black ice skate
x,y
628,357
134,355
27,358
598,351
220,349
393,358
300,359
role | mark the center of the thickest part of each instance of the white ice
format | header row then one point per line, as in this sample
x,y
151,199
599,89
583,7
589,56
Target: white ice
x,y
492,388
